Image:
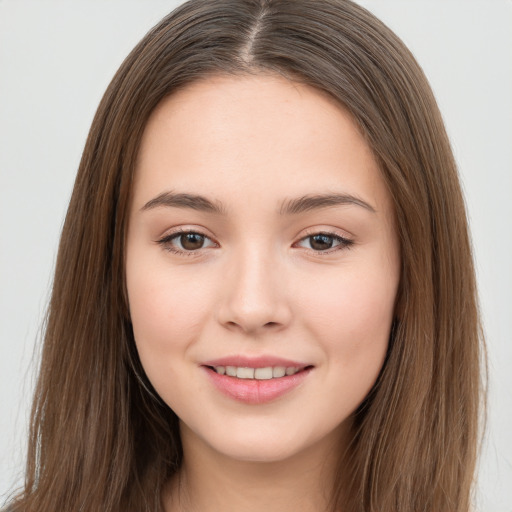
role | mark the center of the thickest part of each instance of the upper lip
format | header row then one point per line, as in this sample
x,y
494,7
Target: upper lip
x,y
241,361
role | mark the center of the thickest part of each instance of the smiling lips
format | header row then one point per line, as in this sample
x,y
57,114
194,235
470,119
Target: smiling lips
x,y
266,373
255,381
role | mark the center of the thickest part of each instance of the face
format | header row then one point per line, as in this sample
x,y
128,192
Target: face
x,y
262,265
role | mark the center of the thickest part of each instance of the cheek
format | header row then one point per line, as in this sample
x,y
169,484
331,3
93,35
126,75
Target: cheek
x,y
166,311
351,315
167,314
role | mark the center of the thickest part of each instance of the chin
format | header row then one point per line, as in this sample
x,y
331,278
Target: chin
x,y
264,452
267,445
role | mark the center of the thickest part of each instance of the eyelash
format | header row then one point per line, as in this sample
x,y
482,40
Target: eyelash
x,y
166,242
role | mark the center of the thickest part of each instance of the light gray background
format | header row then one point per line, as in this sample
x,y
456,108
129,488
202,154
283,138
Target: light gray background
x,y
56,59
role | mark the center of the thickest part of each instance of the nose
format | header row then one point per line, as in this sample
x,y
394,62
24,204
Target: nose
x,y
254,293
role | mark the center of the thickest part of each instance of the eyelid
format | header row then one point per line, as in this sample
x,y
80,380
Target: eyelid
x,y
165,241
343,241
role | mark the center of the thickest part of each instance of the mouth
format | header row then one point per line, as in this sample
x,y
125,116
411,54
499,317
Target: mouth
x,y
259,373
256,381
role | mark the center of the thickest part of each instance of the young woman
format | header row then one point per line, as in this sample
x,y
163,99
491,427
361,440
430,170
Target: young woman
x,y
264,296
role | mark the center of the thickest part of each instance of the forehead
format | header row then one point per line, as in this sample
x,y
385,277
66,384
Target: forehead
x,y
254,134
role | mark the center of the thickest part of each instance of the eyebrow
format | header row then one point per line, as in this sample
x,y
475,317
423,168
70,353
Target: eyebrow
x,y
317,201
288,207
192,201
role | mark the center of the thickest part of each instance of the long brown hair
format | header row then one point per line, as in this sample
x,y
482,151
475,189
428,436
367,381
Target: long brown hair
x,y
101,439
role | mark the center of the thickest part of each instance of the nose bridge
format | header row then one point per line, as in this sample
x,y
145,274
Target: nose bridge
x,y
255,289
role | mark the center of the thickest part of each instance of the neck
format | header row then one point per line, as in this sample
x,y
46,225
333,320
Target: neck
x,y
209,481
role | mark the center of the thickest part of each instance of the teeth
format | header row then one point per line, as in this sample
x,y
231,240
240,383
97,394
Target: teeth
x,y
278,371
245,373
266,373
263,373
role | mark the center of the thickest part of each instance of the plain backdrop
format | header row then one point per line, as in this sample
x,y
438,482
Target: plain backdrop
x,y
56,59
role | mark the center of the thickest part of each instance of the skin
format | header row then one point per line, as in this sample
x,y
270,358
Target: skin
x,y
260,284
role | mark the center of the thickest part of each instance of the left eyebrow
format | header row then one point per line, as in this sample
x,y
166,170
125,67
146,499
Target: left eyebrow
x,y
317,201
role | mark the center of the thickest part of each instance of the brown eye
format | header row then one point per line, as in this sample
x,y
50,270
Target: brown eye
x,y
325,242
321,242
191,241
186,242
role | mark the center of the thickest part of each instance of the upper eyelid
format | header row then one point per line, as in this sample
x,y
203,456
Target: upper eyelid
x,y
180,230
175,234
333,232
345,242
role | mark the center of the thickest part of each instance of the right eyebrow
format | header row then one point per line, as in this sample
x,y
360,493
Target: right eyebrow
x,y
193,201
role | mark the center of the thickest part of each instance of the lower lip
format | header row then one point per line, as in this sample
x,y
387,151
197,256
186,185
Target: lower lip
x,y
254,391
